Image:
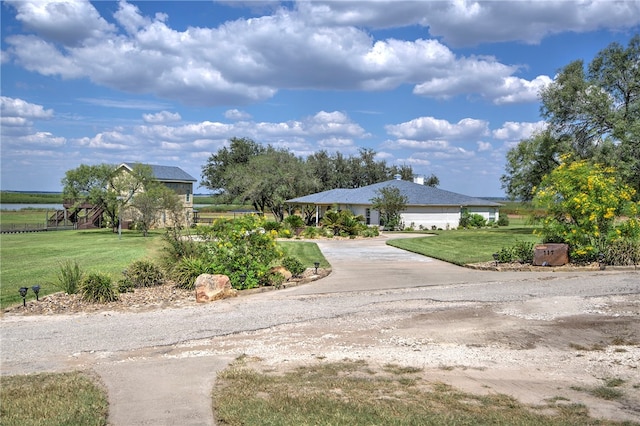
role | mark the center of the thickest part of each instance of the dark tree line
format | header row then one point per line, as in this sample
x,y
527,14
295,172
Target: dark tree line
x,y
264,176
593,114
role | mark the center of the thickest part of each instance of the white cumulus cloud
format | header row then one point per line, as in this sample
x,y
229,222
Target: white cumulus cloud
x,y
161,117
515,131
434,128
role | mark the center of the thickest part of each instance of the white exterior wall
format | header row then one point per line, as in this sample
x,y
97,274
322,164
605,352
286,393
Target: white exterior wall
x,y
427,217
490,214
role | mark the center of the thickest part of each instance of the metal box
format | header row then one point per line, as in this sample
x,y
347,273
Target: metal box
x,y
551,255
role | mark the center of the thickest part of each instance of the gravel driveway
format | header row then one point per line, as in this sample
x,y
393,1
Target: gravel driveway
x,y
534,335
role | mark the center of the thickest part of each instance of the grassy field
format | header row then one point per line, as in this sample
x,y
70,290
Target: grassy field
x,y
34,258
25,216
52,399
30,197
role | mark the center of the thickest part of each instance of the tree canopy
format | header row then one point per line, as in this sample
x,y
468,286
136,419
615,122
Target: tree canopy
x,y
592,114
104,186
389,202
266,177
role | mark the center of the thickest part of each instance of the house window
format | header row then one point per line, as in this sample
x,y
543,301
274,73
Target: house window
x,y
368,216
188,194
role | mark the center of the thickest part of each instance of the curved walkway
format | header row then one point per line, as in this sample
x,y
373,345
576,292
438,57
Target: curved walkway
x,y
154,374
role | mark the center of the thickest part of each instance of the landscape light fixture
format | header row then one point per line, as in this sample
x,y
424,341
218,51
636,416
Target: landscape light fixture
x,y
601,261
23,293
495,258
243,278
36,290
316,265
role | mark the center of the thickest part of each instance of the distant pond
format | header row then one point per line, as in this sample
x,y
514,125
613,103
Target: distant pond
x,y
9,206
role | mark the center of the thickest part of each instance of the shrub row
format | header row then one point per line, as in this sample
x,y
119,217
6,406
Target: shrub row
x,y
99,287
621,252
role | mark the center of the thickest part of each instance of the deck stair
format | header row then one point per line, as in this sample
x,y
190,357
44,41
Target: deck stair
x,y
80,215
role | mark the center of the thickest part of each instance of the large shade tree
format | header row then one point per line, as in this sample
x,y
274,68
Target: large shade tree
x,y
267,180
593,113
106,187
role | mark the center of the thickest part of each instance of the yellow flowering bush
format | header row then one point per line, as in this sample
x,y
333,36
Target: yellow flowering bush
x,y
240,248
587,207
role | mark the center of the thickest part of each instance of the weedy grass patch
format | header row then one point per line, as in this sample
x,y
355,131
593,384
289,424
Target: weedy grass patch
x,y
351,393
52,399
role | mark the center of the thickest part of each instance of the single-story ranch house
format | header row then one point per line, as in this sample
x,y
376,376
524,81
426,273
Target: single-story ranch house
x,y
427,206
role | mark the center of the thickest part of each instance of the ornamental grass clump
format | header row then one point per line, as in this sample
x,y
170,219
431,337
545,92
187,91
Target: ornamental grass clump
x,y
97,287
144,273
187,270
69,276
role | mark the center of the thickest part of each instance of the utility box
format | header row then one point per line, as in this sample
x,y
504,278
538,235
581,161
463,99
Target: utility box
x,y
551,255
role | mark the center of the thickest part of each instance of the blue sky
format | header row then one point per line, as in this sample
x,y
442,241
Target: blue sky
x,y
445,87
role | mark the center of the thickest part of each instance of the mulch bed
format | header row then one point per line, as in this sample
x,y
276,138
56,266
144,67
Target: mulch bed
x,y
142,299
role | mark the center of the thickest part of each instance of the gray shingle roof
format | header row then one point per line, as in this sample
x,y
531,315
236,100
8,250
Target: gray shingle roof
x,y
417,195
167,173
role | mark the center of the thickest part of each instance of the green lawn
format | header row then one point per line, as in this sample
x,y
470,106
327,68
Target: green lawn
x,y
24,216
34,258
306,252
469,245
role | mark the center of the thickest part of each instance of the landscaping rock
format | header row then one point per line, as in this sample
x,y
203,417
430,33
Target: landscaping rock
x,y
281,270
213,287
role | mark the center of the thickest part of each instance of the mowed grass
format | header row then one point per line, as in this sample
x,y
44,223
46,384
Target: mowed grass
x,y
350,393
34,258
24,216
465,246
306,252
52,399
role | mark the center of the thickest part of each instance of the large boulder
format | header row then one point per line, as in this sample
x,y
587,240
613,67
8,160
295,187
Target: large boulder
x,y
213,287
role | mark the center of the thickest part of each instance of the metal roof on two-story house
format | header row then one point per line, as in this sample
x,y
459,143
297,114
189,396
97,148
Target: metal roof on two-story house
x,y
165,173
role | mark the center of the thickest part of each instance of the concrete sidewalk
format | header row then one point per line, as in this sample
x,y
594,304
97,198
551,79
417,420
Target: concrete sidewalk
x,y
161,391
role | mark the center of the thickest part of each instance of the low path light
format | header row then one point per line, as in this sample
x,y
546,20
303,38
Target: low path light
x,y
316,265
495,258
23,293
36,290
